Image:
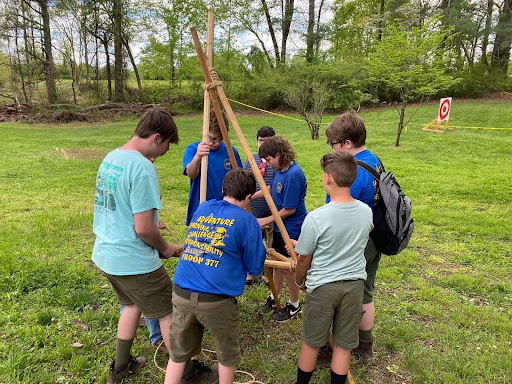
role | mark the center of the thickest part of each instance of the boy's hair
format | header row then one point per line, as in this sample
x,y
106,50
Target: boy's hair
x,y
347,126
265,131
278,145
238,183
214,126
157,121
342,166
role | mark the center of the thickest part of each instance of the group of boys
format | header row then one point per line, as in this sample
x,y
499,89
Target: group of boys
x,y
336,266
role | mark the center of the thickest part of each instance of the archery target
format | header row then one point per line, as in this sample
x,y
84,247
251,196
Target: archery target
x,y
444,109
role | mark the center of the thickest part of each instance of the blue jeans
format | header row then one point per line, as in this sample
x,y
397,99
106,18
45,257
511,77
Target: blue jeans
x,y
153,326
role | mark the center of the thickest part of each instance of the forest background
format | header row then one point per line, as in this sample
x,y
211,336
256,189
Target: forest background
x,y
274,54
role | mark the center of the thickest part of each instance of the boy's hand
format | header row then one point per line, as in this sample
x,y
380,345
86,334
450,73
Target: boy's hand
x,y
168,252
294,243
202,149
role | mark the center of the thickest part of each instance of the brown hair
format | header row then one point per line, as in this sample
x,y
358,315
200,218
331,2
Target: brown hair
x,y
238,183
342,166
214,126
278,145
347,126
157,121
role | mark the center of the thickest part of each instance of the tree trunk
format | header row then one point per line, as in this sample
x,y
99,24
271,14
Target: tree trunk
x,y
380,24
503,40
107,66
287,21
317,33
310,38
271,30
400,123
20,66
118,51
486,32
134,66
30,80
49,67
86,53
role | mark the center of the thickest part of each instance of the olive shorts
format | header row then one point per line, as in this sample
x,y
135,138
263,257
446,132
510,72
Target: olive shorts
x,y
191,317
339,304
150,292
372,257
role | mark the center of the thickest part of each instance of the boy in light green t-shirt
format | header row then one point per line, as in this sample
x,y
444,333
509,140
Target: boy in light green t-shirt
x,y
331,269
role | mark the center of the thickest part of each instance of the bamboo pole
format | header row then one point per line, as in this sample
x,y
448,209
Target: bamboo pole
x,y
210,73
206,113
270,278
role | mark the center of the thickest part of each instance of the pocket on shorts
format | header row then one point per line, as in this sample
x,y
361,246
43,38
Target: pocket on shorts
x,y
155,282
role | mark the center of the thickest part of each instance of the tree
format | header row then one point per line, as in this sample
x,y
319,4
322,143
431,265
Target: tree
x,y
410,65
309,98
503,40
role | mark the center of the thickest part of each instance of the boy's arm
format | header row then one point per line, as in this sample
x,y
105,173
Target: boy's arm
x,y
259,194
192,168
301,270
284,213
148,231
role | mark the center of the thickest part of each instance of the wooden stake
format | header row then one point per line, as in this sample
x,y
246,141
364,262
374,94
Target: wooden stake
x,y
435,123
210,73
206,112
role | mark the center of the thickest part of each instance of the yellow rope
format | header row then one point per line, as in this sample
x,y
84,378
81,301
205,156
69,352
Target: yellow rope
x,y
450,126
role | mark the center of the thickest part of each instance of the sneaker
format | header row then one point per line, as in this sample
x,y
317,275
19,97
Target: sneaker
x,y
160,346
202,374
269,306
365,351
133,366
286,313
324,357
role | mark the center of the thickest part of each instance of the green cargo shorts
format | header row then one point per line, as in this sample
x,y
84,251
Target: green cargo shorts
x,y
339,304
192,315
150,292
372,257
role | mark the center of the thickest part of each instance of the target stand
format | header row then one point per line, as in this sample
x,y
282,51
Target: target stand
x,y
442,117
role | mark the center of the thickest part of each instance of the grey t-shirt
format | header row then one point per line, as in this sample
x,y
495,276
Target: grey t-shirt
x,y
336,235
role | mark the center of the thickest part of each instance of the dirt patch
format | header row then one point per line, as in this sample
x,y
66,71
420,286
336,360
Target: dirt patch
x,y
81,153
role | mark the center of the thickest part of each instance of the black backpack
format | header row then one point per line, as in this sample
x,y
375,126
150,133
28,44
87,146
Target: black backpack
x,y
392,222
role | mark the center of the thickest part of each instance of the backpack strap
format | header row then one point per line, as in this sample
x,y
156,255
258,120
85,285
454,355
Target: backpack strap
x,y
368,168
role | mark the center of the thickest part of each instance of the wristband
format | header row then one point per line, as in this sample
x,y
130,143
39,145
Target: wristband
x,y
302,285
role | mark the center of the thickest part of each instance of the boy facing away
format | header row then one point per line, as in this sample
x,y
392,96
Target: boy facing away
x,y
331,268
129,245
223,244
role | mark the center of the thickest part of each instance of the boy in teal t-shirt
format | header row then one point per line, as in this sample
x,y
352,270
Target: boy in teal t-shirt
x,y
331,269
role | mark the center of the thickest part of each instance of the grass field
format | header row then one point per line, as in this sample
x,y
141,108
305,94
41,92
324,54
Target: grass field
x,y
444,305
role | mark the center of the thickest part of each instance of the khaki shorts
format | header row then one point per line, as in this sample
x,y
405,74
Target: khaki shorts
x,y
339,304
191,316
372,257
150,292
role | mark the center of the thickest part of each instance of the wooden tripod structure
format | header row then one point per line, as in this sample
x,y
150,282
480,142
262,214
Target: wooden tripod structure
x,y
214,91
436,124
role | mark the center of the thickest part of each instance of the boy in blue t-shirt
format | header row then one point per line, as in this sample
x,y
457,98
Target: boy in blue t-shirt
x,y
218,165
223,244
347,133
288,192
331,269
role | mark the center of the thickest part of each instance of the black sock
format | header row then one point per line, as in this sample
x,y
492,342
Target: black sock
x,y
303,377
123,348
338,379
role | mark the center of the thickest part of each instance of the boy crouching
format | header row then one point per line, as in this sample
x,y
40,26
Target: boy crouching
x,y
331,253
223,244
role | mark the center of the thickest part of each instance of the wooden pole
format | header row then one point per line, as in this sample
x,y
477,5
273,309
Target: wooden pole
x,y
206,113
209,72
270,278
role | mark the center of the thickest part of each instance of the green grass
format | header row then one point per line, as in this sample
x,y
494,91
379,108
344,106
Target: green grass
x,y
444,305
